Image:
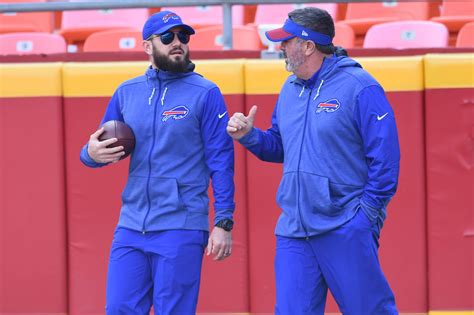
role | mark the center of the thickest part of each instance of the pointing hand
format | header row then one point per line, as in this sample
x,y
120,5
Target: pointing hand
x,y
239,124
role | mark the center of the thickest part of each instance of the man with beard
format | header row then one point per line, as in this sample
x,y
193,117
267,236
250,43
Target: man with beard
x,y
335,133
179,120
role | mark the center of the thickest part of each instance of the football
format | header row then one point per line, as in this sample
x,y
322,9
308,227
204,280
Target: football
x,y
121,131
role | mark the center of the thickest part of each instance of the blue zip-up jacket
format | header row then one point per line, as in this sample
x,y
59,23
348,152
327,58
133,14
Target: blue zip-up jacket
x,y
179,122
337,138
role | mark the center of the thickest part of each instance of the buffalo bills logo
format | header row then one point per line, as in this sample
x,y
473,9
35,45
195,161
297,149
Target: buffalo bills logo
x,y
177,113
328,106
169,16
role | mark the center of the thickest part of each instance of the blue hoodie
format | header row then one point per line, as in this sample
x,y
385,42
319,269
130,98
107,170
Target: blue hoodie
x,y
179,122
337,138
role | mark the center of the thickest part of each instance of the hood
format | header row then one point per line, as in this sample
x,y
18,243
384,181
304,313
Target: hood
x,y
329,65
334,64
162,75
156,77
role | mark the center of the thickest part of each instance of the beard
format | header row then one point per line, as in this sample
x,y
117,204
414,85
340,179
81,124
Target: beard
x,y
293,63
166,63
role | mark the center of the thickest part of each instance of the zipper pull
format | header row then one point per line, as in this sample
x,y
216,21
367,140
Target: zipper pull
x,y
319,88
163,97
151,96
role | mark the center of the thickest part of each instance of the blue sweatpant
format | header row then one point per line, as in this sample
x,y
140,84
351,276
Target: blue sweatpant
x,y
344,260
162,269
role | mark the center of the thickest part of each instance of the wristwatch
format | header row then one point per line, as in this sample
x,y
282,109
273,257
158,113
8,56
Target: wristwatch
x,y
226,224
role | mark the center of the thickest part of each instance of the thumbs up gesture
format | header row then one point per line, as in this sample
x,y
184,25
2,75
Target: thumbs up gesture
x,y
239,124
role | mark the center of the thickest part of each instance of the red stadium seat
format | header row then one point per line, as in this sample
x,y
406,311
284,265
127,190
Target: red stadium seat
x,y
407,34
466,36
361,16
76,26
205,16
114,40
278,13
210,38
345,36
455,14
31,43
26,21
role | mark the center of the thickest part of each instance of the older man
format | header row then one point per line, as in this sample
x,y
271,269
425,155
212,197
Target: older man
x,y
334,131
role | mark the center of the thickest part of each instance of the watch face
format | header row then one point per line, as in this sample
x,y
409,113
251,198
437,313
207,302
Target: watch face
x,y
225,224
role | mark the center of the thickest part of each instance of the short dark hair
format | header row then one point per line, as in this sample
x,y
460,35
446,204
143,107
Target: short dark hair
x,y
317,20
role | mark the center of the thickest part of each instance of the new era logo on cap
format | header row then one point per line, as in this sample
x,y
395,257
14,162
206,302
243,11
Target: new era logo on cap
x,y
291,29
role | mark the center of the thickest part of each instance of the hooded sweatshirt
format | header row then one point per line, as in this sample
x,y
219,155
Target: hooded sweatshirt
x,y
179,122
337,139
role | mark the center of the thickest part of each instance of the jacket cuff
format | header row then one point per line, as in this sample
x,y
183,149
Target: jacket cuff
x,y
373,212
251,138
87,160
222,214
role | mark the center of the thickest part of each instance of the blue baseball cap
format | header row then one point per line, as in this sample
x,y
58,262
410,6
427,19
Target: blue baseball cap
x,y
291,29
162,21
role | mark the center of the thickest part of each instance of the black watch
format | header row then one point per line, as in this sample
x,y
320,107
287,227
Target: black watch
x,y
226,224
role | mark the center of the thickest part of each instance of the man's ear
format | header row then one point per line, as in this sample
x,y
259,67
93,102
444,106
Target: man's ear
x,y
310,47
147,47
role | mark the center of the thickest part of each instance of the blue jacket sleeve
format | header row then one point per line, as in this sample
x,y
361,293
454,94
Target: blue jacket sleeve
x,y
266,145
219,154
112,112
376,123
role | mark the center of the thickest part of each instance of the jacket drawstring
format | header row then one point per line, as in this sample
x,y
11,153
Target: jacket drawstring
x,y
151,96
319,88
163,97
302,90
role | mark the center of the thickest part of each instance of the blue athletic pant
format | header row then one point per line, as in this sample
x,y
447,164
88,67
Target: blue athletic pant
x,y
162,269
344,260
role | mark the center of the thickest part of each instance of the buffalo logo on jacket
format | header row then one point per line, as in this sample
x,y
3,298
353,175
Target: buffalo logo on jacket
x,y
177,113
328,106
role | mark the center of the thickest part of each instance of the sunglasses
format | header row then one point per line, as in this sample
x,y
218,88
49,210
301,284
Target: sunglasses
x,y
168,37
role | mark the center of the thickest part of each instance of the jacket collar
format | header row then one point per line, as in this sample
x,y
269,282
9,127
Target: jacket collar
x,y
326,66
162,75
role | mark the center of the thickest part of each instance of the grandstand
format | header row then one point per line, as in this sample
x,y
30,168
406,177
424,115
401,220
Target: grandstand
x,y
62,60
76,26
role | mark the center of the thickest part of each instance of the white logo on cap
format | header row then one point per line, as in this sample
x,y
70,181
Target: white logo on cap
x,y
304,33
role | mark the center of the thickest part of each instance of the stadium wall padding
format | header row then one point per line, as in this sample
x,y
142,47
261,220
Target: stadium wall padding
x,y
450,158
93,195
33,268
220,278
57,217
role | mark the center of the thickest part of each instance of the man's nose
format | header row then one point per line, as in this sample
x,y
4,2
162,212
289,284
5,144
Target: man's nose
x,y
175,41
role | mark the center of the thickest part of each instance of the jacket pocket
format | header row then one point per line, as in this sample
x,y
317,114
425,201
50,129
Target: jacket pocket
x,y
315,195
194,197
345,196
287,193
164,195
134,195
308,192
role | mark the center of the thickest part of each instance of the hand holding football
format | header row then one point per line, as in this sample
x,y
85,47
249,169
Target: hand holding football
x,y
123,133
